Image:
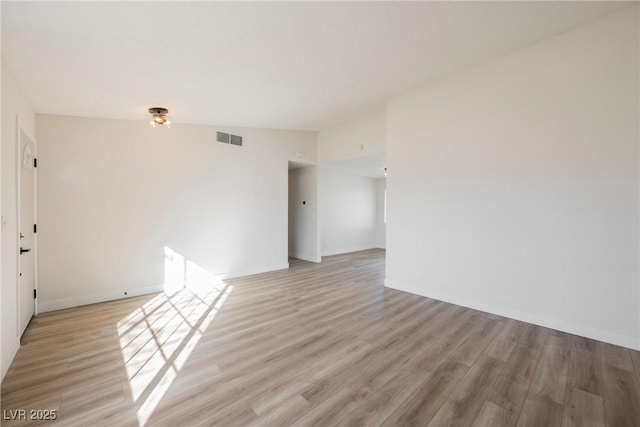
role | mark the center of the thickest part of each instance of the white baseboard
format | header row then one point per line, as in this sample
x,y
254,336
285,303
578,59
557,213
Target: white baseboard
x,y
60,304
251,272
306,257
559,325
93,299
348,250
7,357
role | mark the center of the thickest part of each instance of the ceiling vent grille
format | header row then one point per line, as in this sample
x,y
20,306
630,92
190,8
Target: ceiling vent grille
x,y
227,138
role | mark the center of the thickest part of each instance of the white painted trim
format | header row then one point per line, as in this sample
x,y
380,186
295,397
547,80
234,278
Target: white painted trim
x,y
348,250
560,325
234,274
8,356
306,257
93,299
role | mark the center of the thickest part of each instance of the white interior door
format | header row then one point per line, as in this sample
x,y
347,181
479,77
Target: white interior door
x,y
26,258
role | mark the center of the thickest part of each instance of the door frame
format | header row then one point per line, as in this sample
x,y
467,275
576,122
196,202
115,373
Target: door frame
x,y
18,165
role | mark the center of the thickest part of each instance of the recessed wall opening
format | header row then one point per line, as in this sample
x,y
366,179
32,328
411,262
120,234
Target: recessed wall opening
x,y
352,209
302,211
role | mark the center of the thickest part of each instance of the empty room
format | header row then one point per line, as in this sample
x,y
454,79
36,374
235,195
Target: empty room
x,y
320,213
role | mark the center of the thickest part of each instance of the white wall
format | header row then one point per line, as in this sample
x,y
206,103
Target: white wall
x,y
347,211
381,226
513,186
343,142
303,214
115,196
14,104
350,204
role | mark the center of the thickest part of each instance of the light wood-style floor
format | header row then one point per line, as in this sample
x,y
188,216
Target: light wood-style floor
x,y
320,344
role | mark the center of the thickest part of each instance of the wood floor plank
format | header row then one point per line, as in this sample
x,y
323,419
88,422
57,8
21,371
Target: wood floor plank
x,y
620,386
622,397
635,358
272,397
512,385
484,332
585,372
511,331
462,406
619,357
323,413
492,415
316,344
288,411
583,409
500,348
425,403
550,379
377,408
540,411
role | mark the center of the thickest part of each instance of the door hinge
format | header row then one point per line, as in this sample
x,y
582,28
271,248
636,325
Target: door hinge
x,y
35,293
35,228
35,162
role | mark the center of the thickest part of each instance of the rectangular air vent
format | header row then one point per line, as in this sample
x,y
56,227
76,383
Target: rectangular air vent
x,y
222,137
227,138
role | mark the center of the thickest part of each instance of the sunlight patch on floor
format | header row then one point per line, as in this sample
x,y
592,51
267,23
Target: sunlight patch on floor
x,y
157,338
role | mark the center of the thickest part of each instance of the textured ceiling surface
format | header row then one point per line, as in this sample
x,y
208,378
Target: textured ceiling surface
x,y
307,65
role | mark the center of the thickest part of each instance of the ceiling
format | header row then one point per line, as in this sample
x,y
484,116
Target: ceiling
x,y
287,65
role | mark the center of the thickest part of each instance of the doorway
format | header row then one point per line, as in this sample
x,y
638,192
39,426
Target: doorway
x,y
303,242
352,215
26,229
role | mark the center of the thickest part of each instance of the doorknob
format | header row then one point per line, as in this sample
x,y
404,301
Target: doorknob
x,y
24,250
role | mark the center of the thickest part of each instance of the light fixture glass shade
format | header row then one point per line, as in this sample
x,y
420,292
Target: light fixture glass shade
x,y
159,116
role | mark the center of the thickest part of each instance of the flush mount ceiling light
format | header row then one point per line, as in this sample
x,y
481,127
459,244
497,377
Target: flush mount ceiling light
x,y
159,117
